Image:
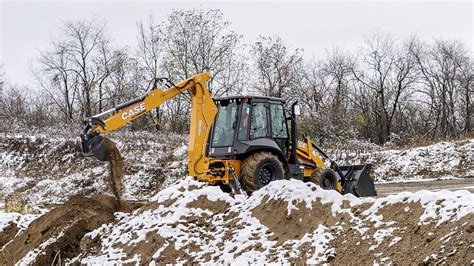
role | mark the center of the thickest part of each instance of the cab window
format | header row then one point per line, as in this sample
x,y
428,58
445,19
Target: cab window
x,y
224,126
279,130
259,125
244,122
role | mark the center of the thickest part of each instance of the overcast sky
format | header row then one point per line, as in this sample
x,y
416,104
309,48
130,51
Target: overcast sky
x,y
314,26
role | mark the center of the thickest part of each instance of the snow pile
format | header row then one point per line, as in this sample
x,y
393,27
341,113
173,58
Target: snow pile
x,y
285,222
21,220
442,160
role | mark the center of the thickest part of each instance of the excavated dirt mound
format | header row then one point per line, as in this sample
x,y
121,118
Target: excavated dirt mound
x,y
57,234
449,243
288,222
286,226
8,233
285,222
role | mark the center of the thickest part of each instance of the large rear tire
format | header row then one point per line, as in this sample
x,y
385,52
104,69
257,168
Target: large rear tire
x,y
258,170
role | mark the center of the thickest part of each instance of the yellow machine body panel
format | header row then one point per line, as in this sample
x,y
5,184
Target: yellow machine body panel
x,y
220,172
308,155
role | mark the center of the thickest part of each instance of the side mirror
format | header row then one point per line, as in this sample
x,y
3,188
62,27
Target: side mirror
x,y
297,110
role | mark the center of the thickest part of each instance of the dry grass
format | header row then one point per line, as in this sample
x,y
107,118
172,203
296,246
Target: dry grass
x,y
15,203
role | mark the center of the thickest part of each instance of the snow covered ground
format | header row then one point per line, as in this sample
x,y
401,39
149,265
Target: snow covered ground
x,y
22,220
443,160
285,222
45,170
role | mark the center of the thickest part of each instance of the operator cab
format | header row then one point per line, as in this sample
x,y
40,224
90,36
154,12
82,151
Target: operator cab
x,y
245,124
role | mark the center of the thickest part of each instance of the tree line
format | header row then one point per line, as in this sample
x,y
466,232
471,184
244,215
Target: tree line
x,y
385,91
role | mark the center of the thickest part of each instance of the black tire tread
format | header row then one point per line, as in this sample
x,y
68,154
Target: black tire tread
x,y
328,173
248,170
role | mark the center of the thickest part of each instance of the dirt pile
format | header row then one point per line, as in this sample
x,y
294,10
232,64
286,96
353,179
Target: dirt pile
x,y
401,239
56,235
287,222
8,233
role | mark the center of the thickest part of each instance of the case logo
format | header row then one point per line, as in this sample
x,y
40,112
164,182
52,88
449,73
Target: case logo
x,y
134,111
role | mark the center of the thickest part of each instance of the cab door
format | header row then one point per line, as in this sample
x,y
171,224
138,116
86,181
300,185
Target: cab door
x,y
279,126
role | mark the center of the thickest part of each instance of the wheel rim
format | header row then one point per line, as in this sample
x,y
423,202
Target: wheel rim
x,y
266,174
328,184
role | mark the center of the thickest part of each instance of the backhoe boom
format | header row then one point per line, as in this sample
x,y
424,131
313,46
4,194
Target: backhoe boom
x,y
203,111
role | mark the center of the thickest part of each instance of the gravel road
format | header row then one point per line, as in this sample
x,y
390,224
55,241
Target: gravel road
x,y
453,184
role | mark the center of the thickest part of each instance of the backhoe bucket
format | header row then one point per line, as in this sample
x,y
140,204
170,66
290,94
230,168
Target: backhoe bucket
x,y
357,181
96,147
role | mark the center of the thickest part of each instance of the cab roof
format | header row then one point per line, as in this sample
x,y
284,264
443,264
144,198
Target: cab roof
x,y
275,99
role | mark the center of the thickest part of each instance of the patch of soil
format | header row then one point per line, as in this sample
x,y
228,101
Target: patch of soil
x,y
8,233
350,237
34,159
454,184
59,232
204,203
39,158
148,248
421,244
152,205
273,214
153,241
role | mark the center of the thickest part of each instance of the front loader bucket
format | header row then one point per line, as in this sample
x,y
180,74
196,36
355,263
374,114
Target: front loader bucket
x,y
357,181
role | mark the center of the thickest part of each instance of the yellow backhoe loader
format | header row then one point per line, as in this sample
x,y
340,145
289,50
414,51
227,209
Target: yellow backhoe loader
x,y
240,142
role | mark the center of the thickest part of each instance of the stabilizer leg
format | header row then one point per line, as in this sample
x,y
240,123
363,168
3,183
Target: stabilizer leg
x,y
236,187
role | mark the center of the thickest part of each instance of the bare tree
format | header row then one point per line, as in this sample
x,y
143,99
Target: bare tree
x,y
123,84
408,88
311,88
82,41
150,49
276,67
446,75
337,73
104,68
2,79
74,65
196,41
13,103
465,78
55,77
384,74
150,53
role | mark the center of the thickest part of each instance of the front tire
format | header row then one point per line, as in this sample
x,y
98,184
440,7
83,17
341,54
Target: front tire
x,y
328,180
259,169
315,177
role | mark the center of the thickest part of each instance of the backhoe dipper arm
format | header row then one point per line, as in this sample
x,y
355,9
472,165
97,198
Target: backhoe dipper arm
x,y
203,112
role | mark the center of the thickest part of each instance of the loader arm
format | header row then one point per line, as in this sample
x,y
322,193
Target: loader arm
x,y
203,112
